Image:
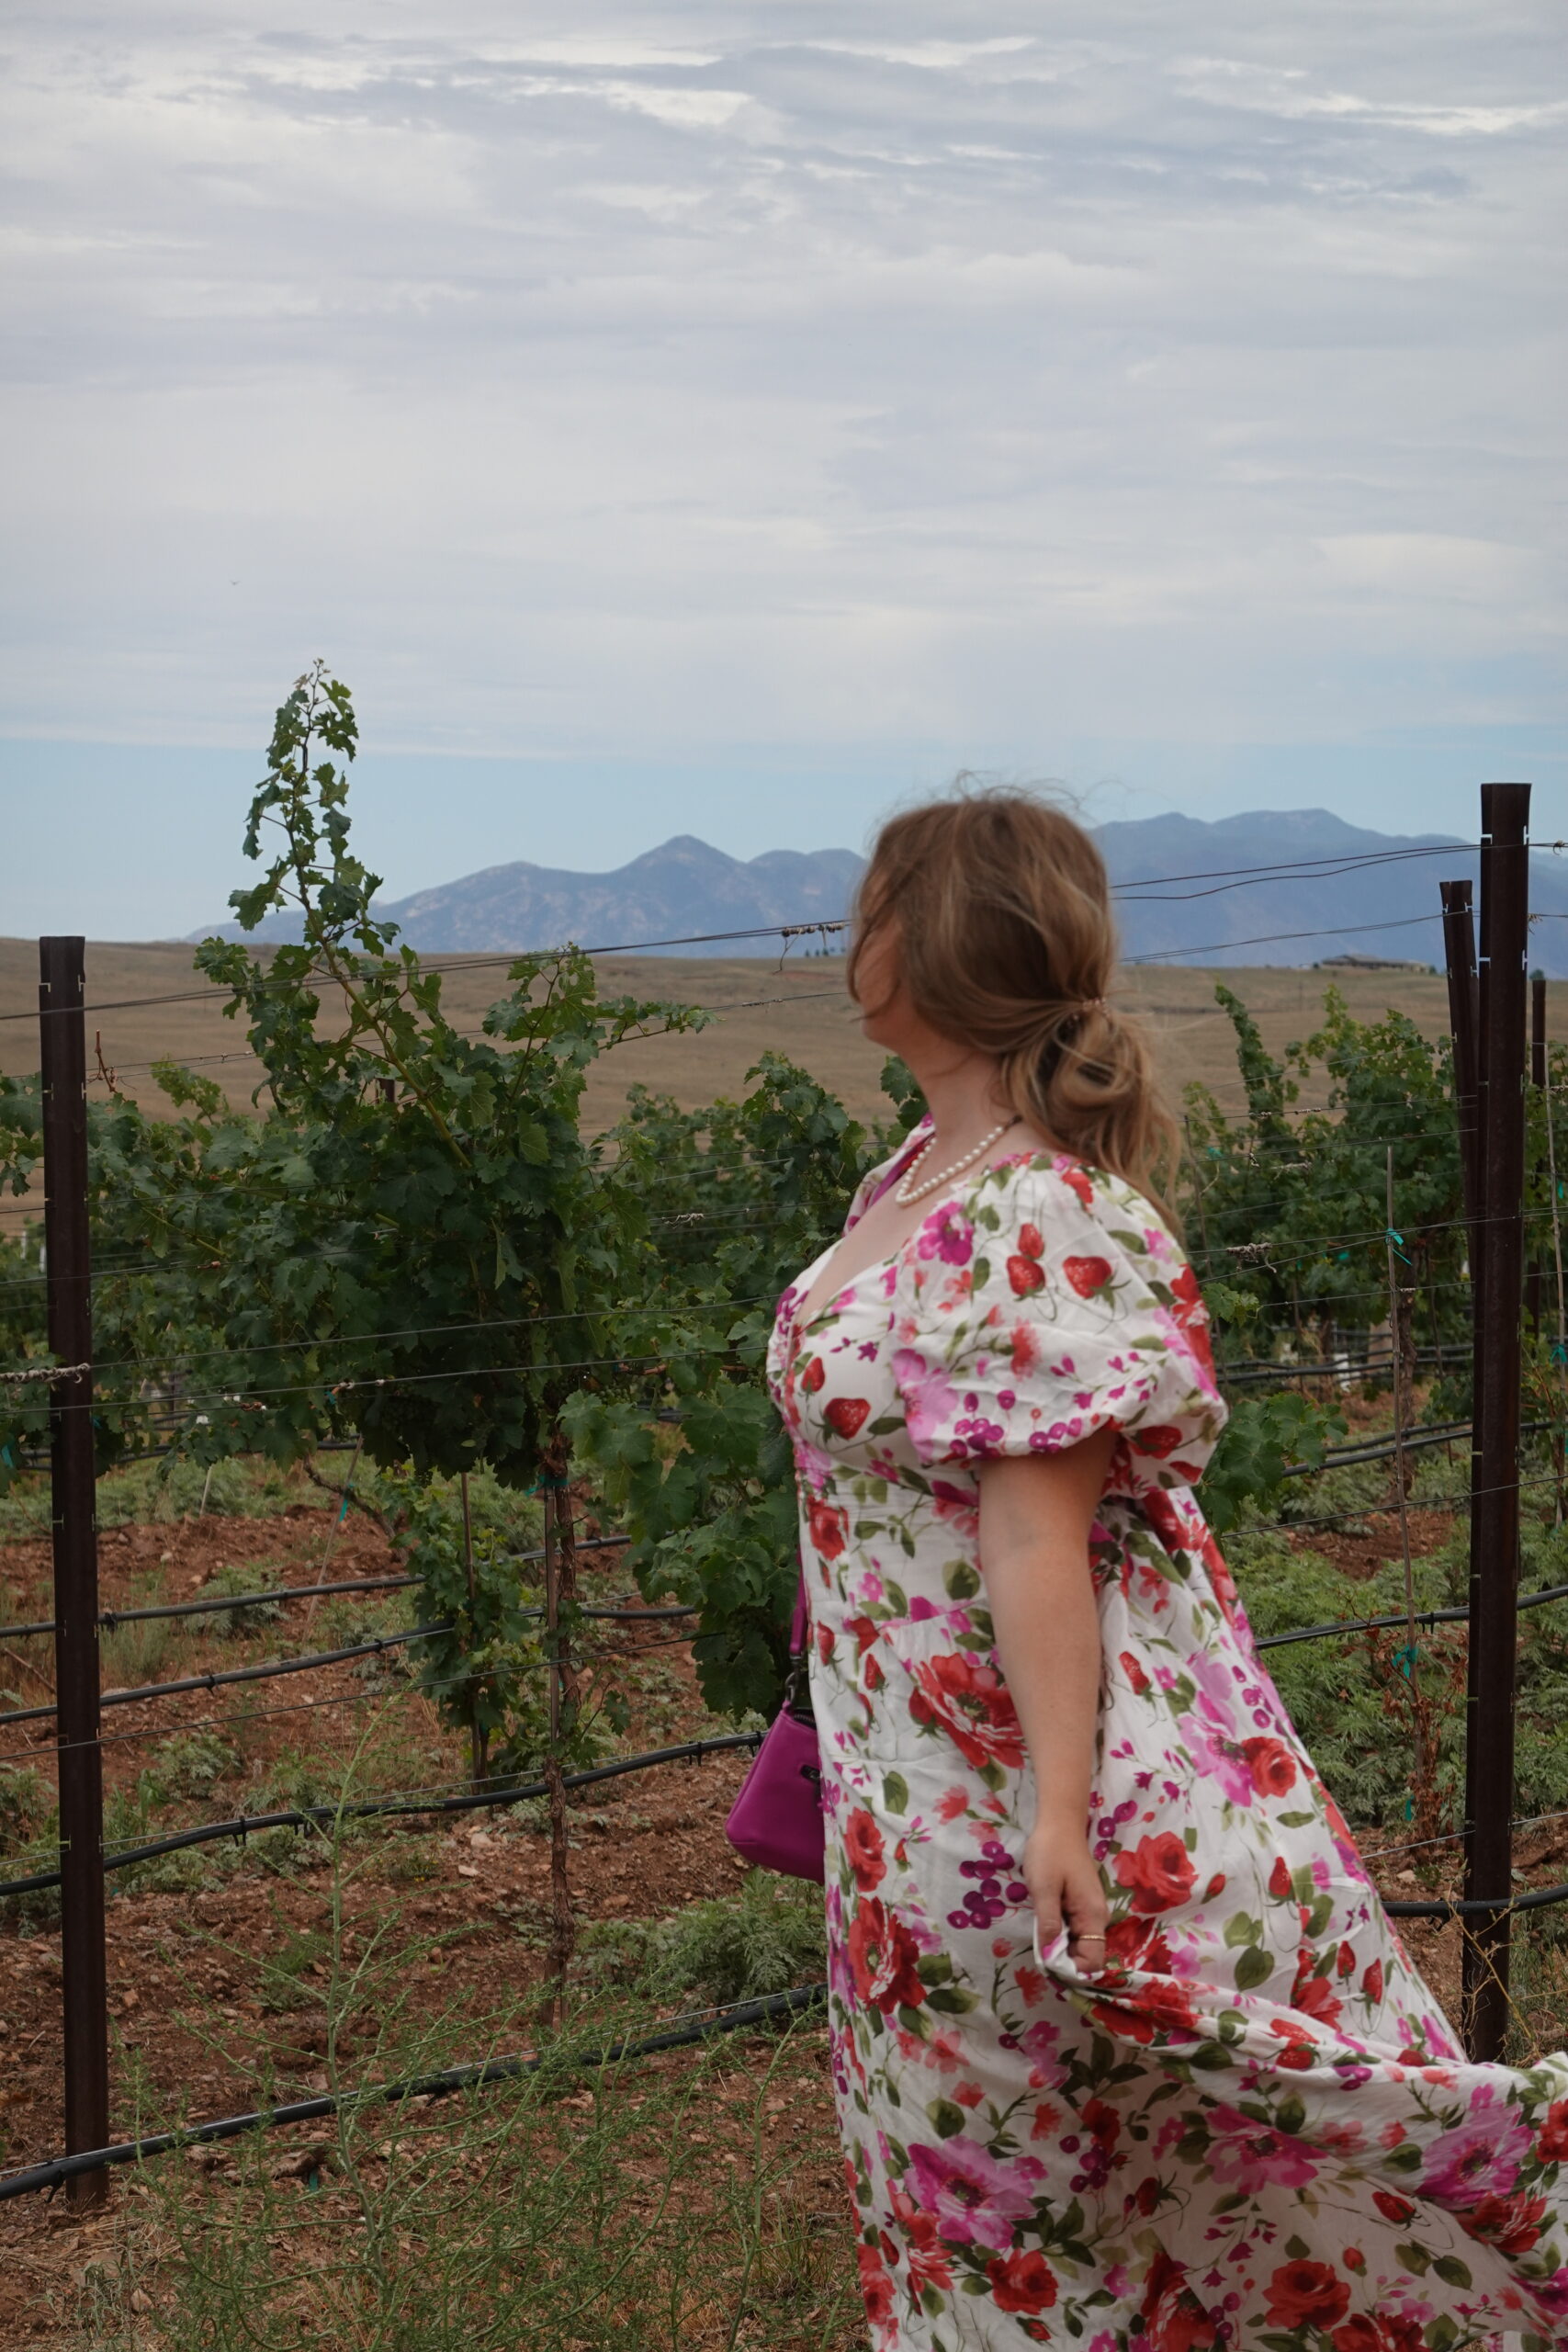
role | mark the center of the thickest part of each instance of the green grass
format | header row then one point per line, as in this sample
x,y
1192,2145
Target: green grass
x,y
687,2203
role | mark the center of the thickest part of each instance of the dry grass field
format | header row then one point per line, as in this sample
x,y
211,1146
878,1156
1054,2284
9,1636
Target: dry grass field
x,y
798,1007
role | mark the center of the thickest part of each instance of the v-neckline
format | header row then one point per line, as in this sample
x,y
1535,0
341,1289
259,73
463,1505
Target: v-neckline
x,y
802,1323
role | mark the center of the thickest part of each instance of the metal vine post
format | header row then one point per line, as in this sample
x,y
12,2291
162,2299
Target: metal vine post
x,y
84,1981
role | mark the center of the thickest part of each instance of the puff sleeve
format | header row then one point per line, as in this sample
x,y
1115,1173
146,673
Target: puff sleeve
x,y
1046,1302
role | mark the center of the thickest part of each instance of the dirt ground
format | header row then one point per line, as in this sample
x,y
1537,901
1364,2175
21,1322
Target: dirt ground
x,y
202,2016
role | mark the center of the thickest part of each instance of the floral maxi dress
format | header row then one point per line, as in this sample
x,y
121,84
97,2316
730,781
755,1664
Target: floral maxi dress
x,y
1256,2129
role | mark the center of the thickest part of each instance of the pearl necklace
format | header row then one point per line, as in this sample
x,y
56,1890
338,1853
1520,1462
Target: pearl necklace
x,y
906,1193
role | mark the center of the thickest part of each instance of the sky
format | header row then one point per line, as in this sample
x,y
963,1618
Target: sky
x,y
734,419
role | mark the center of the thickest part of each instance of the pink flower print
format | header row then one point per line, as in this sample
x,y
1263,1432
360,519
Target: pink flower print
x,y
947,1235
1480,2157
928,1397
1217,1761
973,2199
1242,2151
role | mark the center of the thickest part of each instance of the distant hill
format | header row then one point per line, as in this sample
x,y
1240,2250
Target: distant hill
x,y
1269,887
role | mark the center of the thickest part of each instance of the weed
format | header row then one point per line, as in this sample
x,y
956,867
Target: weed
x,y
189,1763
242,1575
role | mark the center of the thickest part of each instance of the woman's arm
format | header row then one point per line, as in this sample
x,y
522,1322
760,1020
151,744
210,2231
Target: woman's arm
x,y
1035,1515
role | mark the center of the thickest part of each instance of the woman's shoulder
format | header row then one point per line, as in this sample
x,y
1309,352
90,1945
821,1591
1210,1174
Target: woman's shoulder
x,y
1047,1179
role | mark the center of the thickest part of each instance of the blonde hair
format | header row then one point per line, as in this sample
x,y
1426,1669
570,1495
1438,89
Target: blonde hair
x,y
1006,942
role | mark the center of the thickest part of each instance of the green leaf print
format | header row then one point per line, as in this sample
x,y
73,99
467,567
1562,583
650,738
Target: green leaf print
x,y
981,1272
1290,2115
945,2117
1295,1820
960,1580
1451,2271
953,2001
895,1793
1254,1967
1241,1929
933,1968
1415,2257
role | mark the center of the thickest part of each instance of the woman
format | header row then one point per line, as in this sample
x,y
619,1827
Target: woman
x,y
1127,2053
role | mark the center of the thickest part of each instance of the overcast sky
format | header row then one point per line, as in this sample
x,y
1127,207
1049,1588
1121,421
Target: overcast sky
x,y
733,417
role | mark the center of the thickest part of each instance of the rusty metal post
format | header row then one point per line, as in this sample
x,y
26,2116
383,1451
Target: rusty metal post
x,y
85,1988
1458,951
1495,1459
1535,1280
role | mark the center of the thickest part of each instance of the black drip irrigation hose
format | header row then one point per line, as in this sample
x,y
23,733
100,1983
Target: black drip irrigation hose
x,y
1440,1907
321,1816
268,1671
1402,1618
679,2036
109,1618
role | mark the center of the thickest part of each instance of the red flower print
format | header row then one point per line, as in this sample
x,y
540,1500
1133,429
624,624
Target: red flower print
x,y
1190,1312
1397,2210
812,1374
1174,2319
1046,2119
1137,1943
1386,2334
1087,1274
1025,1276
875,2286
864,1848
1272,1765
931,2262
970,1701
1160,2005
1159,1871
845,1414
1022,2282
1103,2121
1025,1352
865,1631
1029,1241
1510,2223
1306,2295
1160,1440
1146,2197
830,1524
1314,1995
1280,1885
1371,1982
1345,1966
1165,1520
883,1955
1551,2143
1077,1182
1133,1673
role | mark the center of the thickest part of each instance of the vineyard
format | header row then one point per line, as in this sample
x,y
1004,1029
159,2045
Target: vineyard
x,y
362,1780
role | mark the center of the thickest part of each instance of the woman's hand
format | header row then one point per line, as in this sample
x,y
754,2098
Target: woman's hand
x,y
1064,1882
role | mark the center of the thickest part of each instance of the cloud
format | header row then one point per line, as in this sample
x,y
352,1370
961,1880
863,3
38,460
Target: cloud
x,y
755,375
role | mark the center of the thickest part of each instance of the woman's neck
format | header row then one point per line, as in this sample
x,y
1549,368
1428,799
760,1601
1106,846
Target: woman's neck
x,y
962,1098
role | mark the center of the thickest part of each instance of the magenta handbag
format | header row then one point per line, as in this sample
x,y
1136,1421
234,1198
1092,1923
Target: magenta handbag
x,y
776,1820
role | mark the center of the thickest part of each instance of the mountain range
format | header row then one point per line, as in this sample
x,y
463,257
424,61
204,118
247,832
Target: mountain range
x,y
1293,887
